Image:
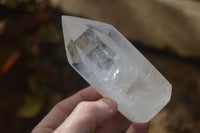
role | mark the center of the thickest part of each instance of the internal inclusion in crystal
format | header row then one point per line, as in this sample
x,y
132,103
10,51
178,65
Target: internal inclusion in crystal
x,y
95,49
112,65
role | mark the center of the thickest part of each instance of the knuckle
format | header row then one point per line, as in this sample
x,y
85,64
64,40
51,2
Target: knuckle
x,y
59,107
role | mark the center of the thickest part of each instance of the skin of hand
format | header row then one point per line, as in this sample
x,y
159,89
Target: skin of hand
x,y
86,112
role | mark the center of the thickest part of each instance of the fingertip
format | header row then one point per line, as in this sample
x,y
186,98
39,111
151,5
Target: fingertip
x,y
110,104
139,127
140,124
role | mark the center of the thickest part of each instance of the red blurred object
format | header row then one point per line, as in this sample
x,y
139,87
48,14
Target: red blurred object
x,y
35,21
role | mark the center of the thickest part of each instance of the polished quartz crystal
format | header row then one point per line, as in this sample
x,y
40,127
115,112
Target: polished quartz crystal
x,y
115,68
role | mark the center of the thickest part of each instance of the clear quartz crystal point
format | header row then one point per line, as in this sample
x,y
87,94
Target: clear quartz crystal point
x,y
115,68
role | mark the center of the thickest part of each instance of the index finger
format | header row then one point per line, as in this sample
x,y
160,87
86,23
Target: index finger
x,y
61,110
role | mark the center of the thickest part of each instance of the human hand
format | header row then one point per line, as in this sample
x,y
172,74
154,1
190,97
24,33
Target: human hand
x,y
86,112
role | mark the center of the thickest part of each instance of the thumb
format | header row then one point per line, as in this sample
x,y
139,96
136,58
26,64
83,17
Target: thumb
x,y
88,115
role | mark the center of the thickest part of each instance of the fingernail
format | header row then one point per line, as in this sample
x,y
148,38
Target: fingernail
x,y
108,102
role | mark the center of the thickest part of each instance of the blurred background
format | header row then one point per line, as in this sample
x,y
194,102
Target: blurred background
x,y
34,73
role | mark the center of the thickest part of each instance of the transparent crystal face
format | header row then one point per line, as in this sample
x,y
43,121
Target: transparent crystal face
x,y
96,50
102,59
113,66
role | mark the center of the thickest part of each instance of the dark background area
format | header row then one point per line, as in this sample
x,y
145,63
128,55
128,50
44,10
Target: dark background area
x,y
35,74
